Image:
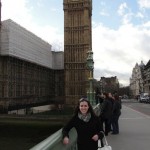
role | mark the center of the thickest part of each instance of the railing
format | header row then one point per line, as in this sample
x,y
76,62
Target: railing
x,y
54,142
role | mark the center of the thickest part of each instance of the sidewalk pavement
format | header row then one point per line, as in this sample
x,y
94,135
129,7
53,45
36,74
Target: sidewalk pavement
x,y
134,131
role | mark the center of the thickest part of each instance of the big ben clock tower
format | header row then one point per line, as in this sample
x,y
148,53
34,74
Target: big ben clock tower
x,y
77,42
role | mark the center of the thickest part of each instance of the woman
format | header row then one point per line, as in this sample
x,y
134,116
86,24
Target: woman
x,y
87,125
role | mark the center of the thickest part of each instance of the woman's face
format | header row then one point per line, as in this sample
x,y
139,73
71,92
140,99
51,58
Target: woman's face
x,y
83,107
109,94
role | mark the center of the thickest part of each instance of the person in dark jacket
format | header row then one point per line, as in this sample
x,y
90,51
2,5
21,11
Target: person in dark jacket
x,y
87,124
106,112
111,99
97,96
116,115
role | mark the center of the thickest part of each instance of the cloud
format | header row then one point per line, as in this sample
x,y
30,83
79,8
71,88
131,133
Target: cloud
x,y
147,24
119,50
122,9
125,13
144,4
21,14
48,33
18,10
140,15
103,9
104,13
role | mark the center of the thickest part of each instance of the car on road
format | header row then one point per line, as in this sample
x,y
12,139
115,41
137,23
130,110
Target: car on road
x,y
144,98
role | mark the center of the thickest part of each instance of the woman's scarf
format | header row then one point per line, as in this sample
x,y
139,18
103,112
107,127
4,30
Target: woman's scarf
x,y
85,118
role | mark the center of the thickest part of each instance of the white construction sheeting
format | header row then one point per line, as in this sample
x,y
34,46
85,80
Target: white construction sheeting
x,y
16,41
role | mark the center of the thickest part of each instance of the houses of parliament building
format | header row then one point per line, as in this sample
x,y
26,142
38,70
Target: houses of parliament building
x,y
32,74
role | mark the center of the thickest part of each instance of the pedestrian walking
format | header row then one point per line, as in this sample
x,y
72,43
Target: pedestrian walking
x,y
87,124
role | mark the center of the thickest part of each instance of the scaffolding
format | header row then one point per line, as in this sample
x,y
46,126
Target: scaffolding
x,y
28,75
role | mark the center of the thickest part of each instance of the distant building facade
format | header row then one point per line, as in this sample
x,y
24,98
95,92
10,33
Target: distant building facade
x,y
137,80
77,42
30,73
140,80
109,84
147,78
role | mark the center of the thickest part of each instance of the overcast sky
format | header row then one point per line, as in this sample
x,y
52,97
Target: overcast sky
x,y
120,31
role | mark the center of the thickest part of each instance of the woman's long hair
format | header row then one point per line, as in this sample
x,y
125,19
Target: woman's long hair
x,y
106,95
90,110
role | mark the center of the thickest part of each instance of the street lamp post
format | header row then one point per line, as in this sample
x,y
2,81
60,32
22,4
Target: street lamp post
x,y
90,65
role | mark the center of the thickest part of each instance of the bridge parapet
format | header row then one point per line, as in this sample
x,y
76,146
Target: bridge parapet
x,y
54,142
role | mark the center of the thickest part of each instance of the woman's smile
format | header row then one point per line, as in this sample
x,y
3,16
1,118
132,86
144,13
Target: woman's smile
x,y
84,107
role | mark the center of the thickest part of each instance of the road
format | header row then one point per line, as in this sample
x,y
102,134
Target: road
x,y
134,128
141,107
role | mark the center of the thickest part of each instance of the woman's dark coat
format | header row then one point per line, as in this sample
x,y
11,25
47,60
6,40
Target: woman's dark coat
x,y
85,132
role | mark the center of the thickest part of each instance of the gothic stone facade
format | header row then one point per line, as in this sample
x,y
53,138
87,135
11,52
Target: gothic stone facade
x,y
77,42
